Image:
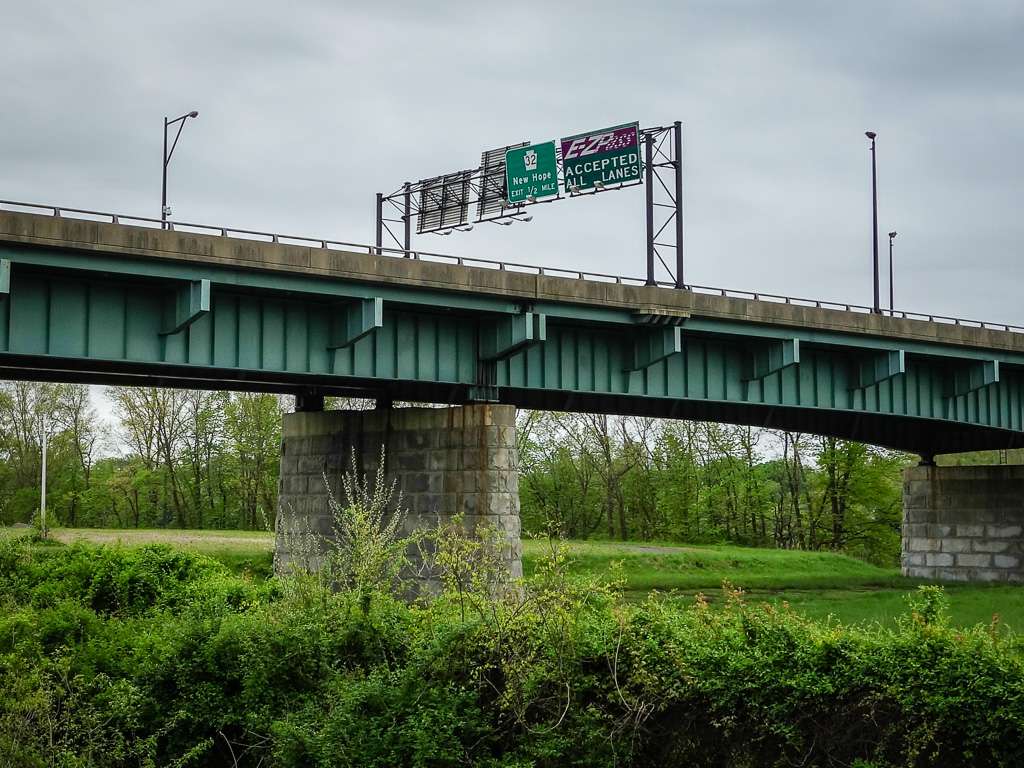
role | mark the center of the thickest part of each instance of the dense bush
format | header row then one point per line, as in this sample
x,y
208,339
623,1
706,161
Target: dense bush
x,y
118,657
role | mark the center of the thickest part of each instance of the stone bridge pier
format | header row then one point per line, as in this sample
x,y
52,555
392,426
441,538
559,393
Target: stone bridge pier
x,y
964,523
445,462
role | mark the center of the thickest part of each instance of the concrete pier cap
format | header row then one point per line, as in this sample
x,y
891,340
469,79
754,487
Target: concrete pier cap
x,y
445,461
964,523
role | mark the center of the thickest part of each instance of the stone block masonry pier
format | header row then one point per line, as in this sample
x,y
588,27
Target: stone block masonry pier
x,y
964,523
445,462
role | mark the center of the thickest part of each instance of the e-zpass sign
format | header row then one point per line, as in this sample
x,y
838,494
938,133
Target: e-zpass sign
x,y
609,156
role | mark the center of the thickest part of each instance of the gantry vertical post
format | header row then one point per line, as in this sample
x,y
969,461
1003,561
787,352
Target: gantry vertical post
x,y
407,218
678,140
649,182
380,222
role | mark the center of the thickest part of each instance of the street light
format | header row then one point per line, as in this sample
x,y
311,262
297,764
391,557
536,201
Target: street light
x,y
874,218
164,210
892,236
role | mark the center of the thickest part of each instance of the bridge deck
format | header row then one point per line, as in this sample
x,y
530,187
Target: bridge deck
x,y
101,302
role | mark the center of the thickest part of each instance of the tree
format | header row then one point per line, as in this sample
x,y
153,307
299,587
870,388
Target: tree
x,y
75,414
253,424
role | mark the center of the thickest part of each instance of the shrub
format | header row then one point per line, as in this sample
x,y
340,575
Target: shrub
x,y
113,657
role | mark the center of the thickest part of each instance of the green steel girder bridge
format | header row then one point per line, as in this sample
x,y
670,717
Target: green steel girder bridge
x,y
85,297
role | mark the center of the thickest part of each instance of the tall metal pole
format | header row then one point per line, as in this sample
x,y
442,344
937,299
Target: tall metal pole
x,y
163,194
167,159
42,485
407,218
874,220
649,182
892,236
380,222
678,136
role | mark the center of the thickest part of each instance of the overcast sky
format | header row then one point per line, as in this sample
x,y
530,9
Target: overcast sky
x,y
309,108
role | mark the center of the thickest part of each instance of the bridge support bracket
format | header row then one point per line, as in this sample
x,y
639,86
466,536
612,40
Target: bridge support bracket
x,y
309,401
650,345
877,367
5,277
653,315
482,394
351,322
972,376
505,336
191,302
771,357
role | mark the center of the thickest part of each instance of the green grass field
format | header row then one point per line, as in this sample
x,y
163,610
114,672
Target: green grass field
x,y
815,584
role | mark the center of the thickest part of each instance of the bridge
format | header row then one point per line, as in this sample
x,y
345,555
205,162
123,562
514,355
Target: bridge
x,y
100,298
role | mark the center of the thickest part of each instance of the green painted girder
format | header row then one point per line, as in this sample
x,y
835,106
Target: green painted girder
x,y
503,336
971,377
856,342
768,357
650,345
191,302
876,367
5,277
307,283
93,324
120,321
590,360
352,322
100,266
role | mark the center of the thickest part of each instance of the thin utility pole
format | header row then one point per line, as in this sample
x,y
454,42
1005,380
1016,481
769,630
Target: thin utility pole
x,y
892,236
876,305
42,491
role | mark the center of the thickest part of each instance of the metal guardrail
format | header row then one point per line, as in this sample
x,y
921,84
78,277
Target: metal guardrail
x,y
273,237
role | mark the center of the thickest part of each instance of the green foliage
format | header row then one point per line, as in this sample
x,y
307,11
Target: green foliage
x,y
640,479
368,551
194,459
191,459
123,657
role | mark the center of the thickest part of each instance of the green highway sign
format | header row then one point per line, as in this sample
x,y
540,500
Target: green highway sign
x,y
531,172
601,158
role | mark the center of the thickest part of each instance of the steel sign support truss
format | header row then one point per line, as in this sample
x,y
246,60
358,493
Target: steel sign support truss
x,y
399,203
396,211
663,176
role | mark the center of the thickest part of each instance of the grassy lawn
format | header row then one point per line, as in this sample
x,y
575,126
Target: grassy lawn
x,y
976,604
645,567
816,584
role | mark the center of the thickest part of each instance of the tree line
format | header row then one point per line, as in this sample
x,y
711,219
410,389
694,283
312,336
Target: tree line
x,y
634,478
194,459
172,458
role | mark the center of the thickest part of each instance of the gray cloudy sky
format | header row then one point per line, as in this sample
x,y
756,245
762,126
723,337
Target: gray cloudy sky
x,y
309,108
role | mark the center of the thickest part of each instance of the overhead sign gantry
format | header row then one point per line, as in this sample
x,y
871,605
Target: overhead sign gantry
x,y
513,177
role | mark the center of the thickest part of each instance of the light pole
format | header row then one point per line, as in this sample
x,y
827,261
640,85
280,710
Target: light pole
x,y
892,236
164,210
42,487
874,218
